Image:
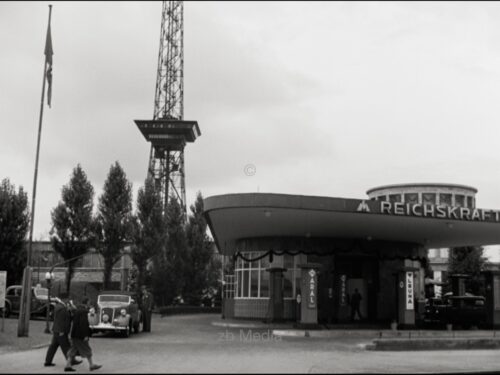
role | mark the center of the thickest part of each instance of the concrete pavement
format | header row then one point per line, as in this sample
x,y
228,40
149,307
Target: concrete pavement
x,y
192,344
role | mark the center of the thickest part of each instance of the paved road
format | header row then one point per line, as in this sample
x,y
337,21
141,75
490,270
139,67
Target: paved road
x,y
192,344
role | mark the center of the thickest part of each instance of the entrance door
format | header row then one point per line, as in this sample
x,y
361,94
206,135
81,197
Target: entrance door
x,y
359,284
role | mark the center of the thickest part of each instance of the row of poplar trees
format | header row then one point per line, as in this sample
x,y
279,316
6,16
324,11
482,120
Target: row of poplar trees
x,y
173,256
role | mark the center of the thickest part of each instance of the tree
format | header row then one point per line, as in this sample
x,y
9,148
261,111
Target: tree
x,y
169,276
72,227
200,267
468,260
113,222
149,229
14,223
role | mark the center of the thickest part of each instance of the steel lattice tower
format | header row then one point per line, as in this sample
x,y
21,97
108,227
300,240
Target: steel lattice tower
x,y
168,132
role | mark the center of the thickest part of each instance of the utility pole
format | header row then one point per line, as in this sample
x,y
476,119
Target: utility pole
x,y
25,308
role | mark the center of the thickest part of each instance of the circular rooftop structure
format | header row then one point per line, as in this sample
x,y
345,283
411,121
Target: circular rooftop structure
x,y
426,193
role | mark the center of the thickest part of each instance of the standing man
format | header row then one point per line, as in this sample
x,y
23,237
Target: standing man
x,y
355,304
80,334
147,304
60,331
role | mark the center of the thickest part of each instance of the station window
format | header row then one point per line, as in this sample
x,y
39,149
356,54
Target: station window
x,y
411,197
229,286
445,199
470,202
428,198
395,197
459,200
252,279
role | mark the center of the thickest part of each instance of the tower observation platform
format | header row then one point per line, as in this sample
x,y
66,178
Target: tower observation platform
x,y
168,134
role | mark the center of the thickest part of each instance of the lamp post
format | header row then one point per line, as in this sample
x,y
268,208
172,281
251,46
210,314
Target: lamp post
x,y
49,276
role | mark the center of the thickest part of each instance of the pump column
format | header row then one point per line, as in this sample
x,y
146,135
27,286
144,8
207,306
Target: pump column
x,y
309,288
492,298
406,298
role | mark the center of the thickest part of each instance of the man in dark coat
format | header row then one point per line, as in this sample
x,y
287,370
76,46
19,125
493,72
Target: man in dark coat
x,y
147,304
60,331
355,304
80,334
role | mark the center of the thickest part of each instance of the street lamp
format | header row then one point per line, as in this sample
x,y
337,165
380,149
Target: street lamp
x,y
49,276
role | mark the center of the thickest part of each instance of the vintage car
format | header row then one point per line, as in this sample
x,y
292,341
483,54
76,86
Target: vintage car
x,y
38,305
116,312
464,311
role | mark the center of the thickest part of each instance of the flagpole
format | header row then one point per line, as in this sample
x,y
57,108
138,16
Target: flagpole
x,y
25,313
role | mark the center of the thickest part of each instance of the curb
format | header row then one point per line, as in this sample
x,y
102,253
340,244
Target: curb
x,y
237,325
434,344
326,333
290,333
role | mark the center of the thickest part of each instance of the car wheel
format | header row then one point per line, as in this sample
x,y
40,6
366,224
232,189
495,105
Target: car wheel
x,y
136,327
126,333
7,310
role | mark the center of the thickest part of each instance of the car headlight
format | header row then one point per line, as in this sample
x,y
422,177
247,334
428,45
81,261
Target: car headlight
x,y
123,312
105,318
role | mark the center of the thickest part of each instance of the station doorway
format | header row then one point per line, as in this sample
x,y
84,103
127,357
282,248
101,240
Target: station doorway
x,y
337,282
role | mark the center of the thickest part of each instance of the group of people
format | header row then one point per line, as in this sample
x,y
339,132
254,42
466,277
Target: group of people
x,y
71,320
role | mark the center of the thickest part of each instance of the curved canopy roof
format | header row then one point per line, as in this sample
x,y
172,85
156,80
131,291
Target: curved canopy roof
x,y
251,215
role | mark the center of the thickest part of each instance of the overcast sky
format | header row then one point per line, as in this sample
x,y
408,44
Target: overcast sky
x,y
322,98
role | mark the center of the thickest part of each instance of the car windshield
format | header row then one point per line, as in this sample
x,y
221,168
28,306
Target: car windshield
x,y
114,298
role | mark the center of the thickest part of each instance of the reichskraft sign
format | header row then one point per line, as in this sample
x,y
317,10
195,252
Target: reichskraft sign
x,y
429,210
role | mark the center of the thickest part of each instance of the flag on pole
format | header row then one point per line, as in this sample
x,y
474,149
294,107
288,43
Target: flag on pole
x,y
48,63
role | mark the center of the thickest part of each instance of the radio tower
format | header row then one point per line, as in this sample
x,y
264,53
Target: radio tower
x,y
168,132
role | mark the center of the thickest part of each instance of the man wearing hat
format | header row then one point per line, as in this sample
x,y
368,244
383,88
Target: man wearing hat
x,y
147,304
60,331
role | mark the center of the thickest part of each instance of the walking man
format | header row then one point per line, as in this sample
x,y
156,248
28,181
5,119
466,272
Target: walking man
x,y
80,334
60,331
355,304
147,304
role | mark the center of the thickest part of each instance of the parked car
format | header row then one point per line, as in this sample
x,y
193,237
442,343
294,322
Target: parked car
x,y
116,312
38,304
465,311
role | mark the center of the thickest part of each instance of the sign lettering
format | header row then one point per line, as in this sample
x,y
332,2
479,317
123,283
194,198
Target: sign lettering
x,y
409,290
430,210
311,296
343,294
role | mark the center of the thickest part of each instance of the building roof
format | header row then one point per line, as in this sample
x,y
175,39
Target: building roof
x,y
255,215
422,185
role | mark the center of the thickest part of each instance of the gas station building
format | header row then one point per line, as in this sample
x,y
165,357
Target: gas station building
x,y
300,257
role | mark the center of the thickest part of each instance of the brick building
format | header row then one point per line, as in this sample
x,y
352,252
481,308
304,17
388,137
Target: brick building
x,y
89,270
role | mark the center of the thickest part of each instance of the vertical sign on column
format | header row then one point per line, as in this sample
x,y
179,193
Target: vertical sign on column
x,y
409,290
3,285
311,293
343,294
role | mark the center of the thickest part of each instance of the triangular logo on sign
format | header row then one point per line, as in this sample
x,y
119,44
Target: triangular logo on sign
x,y
363,207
